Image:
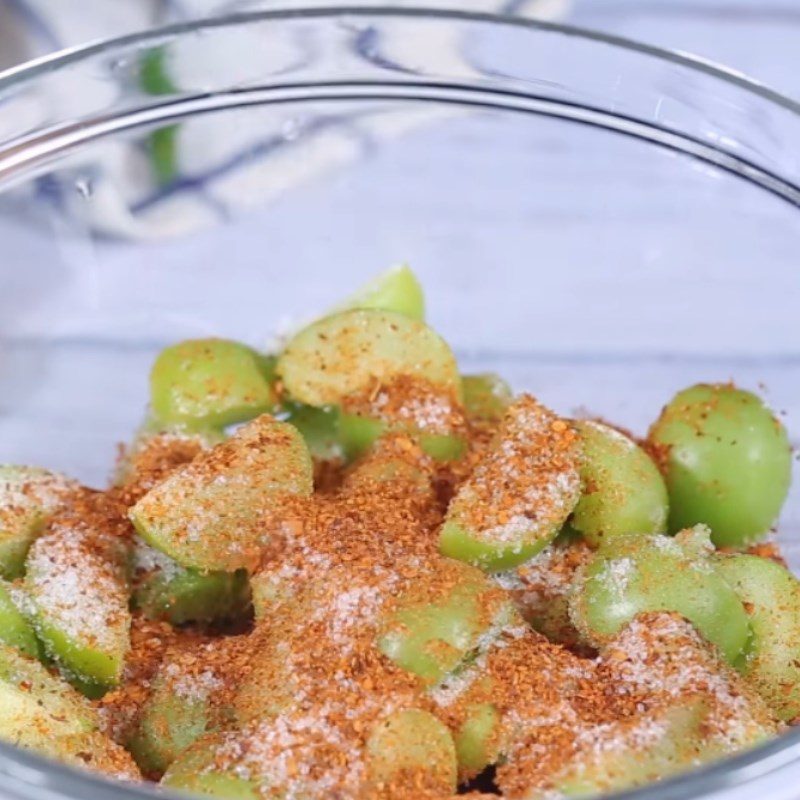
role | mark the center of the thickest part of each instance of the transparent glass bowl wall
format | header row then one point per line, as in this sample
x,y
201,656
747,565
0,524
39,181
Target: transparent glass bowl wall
x,y
601,223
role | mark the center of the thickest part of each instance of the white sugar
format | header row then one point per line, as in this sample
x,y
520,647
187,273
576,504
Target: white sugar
x,y
75,588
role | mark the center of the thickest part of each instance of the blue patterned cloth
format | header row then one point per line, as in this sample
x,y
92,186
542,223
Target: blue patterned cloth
x,y
207,171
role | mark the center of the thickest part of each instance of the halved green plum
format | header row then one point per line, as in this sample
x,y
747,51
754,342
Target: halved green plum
x,y
771,597
77,581
477,739
358,434
727,462
165,590
16,628
319,427
348,354
541,588
623,491
209,383
395,460
156,449
520,493
28,497
161,143
93,751
397,289
177,713
410,743
37,707
446,617
634,573
196,772
213,513
486,396
661,656
659,743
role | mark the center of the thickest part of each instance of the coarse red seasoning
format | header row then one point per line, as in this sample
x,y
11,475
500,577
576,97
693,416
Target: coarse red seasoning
x,y
294,701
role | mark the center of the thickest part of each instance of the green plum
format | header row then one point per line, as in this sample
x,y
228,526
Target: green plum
x,y
155,442
77,582
319,427
210,515
195,771
771,596
623,491
358,434
541,589
636,573
93,751
209,383
433,631
476,739
347,354
154,79
520,493
659,743
35,706
408,742
395,460
486,396
16,629
176,714
165,590
727,462
28,498
398,289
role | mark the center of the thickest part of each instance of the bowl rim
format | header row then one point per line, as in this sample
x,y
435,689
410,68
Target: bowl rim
x,y
23,770
50,62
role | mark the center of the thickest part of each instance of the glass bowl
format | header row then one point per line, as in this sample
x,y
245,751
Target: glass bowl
x,y
601,222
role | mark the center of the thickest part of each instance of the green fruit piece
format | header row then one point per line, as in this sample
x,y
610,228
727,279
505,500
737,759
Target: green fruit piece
x,y
664,657
398,290
486,396
158,448
636,573
210,514
346,355
727,462
358,434
412,742
623,491
477,739
771,596
165,590
37,707
76,579
92,751
395,460
655,745
177,713
196,772
445,619
16,629
269,589
541,589
318,426
520,493
162,145
154,79
28,497
208,383
268,365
